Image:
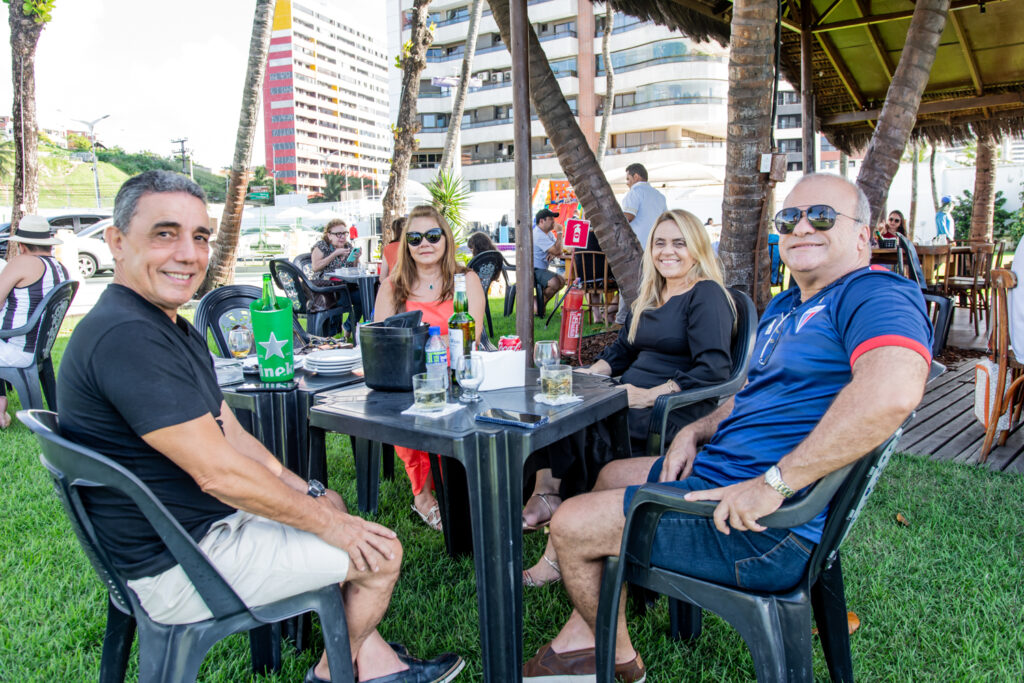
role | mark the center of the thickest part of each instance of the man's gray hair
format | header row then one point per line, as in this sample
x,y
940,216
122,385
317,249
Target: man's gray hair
x,y
136,187
862,213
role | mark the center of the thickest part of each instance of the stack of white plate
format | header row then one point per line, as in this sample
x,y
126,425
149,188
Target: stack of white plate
x,y
334,361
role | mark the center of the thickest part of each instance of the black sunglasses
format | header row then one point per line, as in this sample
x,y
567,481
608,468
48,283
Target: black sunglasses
x,y
433,236
820,216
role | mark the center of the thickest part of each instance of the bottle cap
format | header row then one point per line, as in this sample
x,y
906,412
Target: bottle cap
x,y
434,329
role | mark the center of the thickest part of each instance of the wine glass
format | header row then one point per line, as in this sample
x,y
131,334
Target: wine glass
x,y
470,376
545,353
240,341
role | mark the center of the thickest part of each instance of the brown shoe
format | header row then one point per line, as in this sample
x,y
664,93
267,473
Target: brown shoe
x,y
576,666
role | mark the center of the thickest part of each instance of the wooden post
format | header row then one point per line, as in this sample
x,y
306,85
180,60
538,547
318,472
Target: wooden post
x,y
520,29
806,85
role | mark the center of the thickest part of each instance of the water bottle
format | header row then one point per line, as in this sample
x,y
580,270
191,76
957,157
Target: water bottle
x,y
437,355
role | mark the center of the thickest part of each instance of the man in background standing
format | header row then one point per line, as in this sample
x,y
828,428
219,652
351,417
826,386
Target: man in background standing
x,y
642,204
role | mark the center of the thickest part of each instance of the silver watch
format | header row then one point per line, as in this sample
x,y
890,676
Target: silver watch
x,y
773,477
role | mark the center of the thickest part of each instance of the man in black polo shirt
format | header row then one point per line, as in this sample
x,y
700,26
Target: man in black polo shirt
x,y
137,384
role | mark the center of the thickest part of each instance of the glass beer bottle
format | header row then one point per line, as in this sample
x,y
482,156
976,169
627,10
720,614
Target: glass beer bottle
x,y
268,302
461,326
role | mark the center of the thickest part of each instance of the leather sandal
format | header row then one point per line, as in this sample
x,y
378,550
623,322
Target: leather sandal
x,y
531,582
432,518
527,527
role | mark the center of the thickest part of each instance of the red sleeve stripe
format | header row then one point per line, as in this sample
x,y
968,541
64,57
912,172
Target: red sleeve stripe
x,y
891,340
875,266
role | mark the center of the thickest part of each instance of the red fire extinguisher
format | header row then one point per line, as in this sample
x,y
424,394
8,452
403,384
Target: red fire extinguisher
x,y
572,321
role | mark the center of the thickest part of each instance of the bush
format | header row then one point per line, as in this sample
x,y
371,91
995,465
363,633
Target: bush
x,y
1006,225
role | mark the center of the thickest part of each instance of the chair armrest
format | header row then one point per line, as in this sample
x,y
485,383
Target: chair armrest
x,y
29,325
327,289
666,403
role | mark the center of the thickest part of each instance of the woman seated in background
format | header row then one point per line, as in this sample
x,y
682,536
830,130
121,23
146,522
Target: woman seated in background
x,y
389,252
424,280
28,277
479,242
677,336
895,225
331,252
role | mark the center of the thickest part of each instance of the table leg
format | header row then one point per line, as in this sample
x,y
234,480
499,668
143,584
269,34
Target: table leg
x,y
367,459
494,469
316,456
452,497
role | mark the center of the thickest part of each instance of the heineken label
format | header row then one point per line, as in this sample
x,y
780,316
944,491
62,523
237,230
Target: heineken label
x,y
272,333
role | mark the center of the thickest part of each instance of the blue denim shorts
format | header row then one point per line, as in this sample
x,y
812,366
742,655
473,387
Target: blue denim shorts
x,y
771,560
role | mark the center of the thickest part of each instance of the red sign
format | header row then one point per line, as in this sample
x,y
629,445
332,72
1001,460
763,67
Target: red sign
x,y
576,233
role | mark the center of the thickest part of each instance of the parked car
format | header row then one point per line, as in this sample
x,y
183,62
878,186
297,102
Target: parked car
x,y
93,253
77,221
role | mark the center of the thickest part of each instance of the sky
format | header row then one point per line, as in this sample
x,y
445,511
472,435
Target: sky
x,y
161,70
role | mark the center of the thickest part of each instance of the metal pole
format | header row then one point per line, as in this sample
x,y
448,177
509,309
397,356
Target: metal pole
x,y
520,28
806,86
95,171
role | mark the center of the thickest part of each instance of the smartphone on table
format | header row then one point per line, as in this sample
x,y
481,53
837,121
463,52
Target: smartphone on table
x,y
512,418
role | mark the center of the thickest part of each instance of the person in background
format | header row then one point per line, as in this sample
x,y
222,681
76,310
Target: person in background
x,y
424,280
677,336
331,252
389,252
896,224
546,248
26,279
642,204
945,228
479,242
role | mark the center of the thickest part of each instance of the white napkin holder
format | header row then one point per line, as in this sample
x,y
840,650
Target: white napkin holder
x,y
503,369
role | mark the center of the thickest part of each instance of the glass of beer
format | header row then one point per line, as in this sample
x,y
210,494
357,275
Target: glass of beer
x,y
556,381
240,341
428,392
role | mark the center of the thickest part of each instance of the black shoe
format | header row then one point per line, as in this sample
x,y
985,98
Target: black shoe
x,y
439,670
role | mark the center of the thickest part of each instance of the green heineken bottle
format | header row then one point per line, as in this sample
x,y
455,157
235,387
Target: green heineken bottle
x,y
268,302
461,326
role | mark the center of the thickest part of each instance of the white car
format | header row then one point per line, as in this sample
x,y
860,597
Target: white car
x,y
93,253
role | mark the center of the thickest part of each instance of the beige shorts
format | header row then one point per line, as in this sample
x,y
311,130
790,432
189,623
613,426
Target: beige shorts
x,y
262,560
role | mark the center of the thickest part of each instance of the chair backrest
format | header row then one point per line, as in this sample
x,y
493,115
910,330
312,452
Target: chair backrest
x,y
1002,281
742,340
910,264
487,265
221,309
73,467
294,283
592,270
53,309
304,262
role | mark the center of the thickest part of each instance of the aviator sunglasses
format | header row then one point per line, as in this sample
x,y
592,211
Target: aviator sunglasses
x,y
433,236
820,216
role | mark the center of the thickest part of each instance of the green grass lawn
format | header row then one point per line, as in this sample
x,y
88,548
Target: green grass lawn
x,y
939,600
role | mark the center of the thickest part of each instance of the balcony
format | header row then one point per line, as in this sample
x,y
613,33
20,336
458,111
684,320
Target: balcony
x,y
671,59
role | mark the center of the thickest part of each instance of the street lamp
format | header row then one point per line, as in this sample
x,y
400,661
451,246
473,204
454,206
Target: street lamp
x,y
92,143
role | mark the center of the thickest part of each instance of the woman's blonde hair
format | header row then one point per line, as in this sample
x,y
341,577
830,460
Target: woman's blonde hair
x,y
406,273
652,284
333,223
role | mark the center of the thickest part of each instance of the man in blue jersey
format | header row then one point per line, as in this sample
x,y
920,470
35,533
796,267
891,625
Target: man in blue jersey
x,y
838,364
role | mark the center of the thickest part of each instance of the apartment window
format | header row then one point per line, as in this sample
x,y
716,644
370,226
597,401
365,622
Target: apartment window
x,y
789,121
284,160
434,120
791,146
281,132
638,138
564,67
788,97
282,90
283,145
281,118
281,76
795,166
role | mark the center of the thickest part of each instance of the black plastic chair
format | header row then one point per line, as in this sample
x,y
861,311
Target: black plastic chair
x,y
940,308
221,309
304,262
46,321
775,626
510,299
487,265
742,347
170,653
300,290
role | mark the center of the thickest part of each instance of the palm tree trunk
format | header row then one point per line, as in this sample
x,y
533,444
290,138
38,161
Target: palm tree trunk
x,y
844,164
931,173
459,106
744,244
899,113
413,60
984,190
578,163
222,265
25,33
915,161
609,81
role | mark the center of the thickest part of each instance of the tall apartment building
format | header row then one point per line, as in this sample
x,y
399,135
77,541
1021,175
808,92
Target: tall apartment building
x,y
789,136
670,106
325,98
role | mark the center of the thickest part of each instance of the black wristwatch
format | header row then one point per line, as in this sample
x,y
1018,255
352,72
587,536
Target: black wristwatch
x,y
316,489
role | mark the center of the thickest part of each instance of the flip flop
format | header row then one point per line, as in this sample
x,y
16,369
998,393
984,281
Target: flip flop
x,y
551,511
432,518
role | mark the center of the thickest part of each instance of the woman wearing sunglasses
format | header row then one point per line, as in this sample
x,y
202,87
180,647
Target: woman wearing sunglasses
x,y
896,224
330,253
424,280
677,336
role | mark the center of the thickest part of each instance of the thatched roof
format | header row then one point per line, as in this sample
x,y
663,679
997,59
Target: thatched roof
x,y
976,84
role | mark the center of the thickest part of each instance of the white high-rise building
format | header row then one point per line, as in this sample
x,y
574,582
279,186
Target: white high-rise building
x,y
325,99
670,94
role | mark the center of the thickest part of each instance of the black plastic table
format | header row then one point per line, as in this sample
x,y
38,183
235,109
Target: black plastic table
x,y
493,458
367,285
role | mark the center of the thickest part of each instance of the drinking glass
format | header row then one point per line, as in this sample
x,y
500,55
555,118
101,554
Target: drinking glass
x,y
428,392
545,353
556,381
240,341
470,376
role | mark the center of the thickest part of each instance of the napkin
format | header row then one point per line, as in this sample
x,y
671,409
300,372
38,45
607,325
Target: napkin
x,y
503,369
560,401
448,409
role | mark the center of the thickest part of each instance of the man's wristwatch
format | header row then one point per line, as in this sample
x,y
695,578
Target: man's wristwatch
x,y
316,489
773,477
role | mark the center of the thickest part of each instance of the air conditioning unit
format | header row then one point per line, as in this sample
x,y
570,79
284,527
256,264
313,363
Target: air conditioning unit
x,y
484,75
